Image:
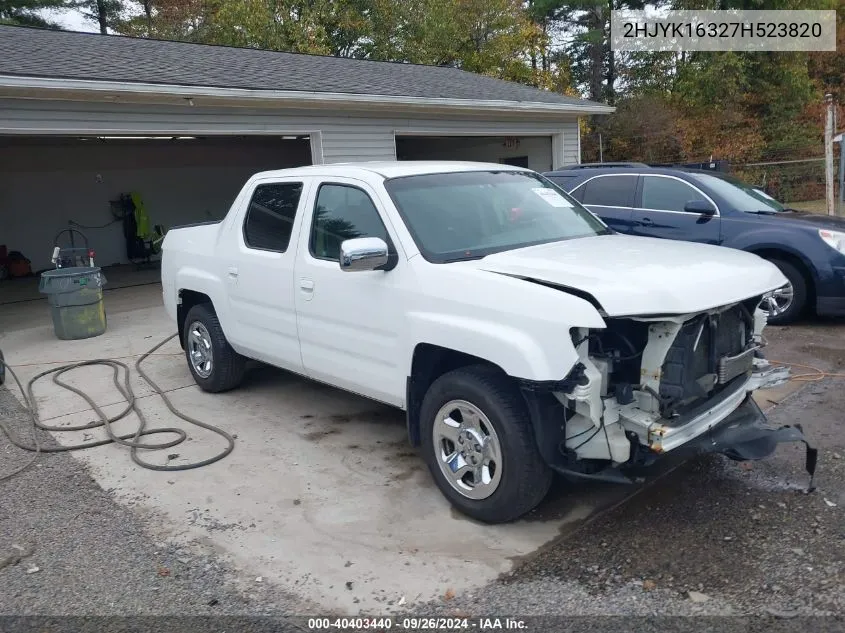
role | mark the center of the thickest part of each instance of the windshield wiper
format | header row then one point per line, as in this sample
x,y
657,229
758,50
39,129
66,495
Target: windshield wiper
x,y
462,258
764,212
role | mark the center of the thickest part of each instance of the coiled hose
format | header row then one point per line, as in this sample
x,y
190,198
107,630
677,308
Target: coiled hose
x,y
131,440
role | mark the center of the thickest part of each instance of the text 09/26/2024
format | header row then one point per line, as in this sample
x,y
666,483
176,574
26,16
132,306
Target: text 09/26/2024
x,y
416,624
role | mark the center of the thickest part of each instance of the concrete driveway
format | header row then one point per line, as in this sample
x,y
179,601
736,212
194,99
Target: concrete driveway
x,y
322,493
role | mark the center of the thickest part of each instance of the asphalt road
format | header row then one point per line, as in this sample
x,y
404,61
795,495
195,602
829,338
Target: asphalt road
x,y
713,538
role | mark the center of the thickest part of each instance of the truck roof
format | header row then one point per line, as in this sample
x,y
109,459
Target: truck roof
x,y
389,169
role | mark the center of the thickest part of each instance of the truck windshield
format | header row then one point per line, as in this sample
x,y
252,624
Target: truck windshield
x,y
467,215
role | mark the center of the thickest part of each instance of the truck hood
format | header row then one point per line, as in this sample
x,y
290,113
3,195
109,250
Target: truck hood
x,y
631,276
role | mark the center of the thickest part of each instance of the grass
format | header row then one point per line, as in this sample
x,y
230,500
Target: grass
x,y
813,206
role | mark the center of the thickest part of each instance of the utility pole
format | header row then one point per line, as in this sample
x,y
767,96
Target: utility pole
x,y
842,173
841,137
601,150
828,155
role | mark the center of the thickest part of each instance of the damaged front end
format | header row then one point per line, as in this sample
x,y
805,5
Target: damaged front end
x,y
648,386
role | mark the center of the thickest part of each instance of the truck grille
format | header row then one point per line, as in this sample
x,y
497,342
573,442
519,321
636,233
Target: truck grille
x,y
707,353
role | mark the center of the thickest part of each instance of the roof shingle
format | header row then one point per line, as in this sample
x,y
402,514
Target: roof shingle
x,y
87,56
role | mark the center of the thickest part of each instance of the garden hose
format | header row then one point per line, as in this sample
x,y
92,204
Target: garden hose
x,y
131,440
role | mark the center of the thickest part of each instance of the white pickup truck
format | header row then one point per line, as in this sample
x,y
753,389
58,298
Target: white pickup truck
x,y
520,335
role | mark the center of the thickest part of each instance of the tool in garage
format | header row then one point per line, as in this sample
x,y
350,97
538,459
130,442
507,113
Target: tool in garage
x,y
130,440
141,242
73,255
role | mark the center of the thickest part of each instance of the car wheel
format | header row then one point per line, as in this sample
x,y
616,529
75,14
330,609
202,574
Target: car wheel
x,y
214,364
786,304
479,445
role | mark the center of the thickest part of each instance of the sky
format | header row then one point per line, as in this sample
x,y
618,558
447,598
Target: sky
x,y
71,20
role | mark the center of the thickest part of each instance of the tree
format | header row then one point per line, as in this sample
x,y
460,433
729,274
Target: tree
x,y
28,12
595,67
494,37
827,69
643,128
106,13
185,20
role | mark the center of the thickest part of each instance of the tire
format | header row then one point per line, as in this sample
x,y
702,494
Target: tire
x,y
227,367
799,294
524,478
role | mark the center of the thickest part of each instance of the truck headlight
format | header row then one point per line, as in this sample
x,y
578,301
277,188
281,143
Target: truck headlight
x,y
834,239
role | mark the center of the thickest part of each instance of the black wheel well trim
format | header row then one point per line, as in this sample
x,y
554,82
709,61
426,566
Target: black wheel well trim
x,y
187,299
430,361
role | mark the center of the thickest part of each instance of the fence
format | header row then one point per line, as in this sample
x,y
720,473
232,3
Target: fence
x,y
790,181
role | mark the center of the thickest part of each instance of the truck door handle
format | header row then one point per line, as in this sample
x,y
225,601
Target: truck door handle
x,y
306,284
646,222
233,272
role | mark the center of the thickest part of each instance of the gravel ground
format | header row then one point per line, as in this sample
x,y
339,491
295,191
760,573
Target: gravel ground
x,y
82,553
713,538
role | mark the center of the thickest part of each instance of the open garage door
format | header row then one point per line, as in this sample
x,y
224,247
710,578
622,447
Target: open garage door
x,y
534,152
48,184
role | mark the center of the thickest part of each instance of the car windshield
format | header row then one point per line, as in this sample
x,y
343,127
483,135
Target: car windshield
x,y
740,196
467,215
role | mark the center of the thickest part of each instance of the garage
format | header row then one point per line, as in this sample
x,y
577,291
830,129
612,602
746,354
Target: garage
x,y
179,134
77,183
533,152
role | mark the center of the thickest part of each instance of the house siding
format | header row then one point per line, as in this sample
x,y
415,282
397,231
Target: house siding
x,y
344,138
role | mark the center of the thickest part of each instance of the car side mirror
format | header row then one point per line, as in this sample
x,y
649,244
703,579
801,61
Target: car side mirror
x,y
700,206
363,253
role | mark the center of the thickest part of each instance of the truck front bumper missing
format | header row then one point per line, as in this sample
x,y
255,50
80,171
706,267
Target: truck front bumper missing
x,y
745,435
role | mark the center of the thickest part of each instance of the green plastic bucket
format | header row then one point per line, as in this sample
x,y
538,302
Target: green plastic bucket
x,y
75,296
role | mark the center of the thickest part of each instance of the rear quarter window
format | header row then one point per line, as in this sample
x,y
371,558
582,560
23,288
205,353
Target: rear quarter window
x,y
609,191
564,182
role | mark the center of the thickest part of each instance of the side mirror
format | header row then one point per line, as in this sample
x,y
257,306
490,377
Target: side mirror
x,y
363,253
700,206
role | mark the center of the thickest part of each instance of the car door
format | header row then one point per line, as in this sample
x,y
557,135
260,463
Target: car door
x,y
611,197
260,269
349,323
661,211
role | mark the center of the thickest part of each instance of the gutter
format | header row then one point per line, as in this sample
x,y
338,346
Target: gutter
x,y
287,98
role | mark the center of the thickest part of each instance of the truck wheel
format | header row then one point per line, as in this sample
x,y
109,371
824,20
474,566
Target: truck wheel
x,y
214,364
479,445
786,304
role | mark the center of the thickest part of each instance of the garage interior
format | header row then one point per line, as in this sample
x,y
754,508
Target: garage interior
x,y
49,184
534,152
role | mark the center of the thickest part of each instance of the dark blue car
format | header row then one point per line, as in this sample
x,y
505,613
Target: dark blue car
x,y
713,208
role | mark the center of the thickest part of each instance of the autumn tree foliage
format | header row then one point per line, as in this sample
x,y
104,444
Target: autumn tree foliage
x,y
689,106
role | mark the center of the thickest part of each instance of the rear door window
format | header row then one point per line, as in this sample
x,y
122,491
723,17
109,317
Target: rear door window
x,y
270,216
